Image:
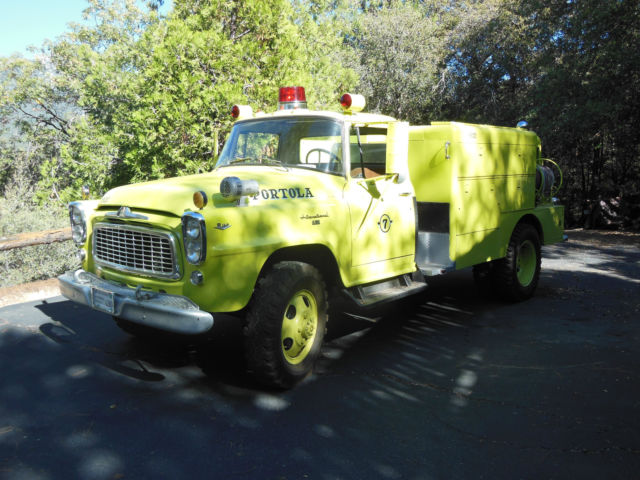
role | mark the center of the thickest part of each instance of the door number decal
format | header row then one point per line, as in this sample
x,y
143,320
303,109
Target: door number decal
x,y
385,223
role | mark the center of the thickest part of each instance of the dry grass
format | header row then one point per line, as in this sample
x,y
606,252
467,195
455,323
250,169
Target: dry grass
x,y
19,214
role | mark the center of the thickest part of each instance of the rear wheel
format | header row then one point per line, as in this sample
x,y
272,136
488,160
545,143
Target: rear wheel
x,y
518,273
285,324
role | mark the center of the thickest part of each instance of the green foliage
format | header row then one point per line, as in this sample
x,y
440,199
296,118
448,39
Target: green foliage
x,y
132,96
490,62
208,56
99,64
587,99
34,119
19,214
571,69
401,50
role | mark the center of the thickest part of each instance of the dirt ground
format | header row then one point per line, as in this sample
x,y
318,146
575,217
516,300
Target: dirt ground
x,y
603,237
29,291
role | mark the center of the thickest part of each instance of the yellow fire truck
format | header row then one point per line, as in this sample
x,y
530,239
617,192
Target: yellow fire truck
x,y
301,201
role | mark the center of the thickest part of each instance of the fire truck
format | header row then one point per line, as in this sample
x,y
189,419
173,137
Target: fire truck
x,y
302,203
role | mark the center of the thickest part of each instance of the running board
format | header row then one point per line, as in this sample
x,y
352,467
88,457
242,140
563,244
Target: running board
x,y
432,269
385,291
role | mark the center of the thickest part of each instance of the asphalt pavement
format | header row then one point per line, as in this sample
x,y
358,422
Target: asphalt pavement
x,y
463,387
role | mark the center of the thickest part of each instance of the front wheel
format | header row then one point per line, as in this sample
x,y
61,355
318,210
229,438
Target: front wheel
x,y
285,324
518,273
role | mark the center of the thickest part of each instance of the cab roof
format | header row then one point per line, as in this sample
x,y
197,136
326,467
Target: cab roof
x,y
360,117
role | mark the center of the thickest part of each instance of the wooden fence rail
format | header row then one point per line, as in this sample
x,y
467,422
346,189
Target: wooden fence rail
x,y
35,238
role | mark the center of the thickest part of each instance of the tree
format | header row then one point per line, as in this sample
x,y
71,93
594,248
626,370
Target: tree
x,y
35,119
491,62
587,100
155,93
132,96
205,58
400,50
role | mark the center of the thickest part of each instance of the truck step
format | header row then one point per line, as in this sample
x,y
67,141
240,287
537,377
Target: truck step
x,y
386,291
431,269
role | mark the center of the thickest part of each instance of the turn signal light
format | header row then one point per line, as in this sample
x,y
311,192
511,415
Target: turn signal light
x,y
200,199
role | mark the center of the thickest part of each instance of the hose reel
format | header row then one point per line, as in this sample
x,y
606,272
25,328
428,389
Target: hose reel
x,y
547,172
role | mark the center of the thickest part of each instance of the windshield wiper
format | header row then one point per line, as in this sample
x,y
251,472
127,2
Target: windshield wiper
x,y
255,161
241,160
273,161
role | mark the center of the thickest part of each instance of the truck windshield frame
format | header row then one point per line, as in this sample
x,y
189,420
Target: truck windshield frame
x,y
308,142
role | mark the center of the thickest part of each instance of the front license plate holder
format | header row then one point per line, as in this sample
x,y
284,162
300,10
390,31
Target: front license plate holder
x,y
102,300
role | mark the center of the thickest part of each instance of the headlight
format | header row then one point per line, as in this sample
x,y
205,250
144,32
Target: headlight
x,y
194,237
78,223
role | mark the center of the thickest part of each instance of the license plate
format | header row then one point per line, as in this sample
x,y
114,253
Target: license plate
x,y
102,300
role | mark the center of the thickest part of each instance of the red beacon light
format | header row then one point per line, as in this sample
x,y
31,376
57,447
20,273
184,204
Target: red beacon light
x,y
291,98
352,102
238,112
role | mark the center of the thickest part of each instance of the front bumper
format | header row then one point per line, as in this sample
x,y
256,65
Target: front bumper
x,y
171,313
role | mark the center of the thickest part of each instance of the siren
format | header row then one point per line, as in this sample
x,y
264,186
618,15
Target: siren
x,y
291,98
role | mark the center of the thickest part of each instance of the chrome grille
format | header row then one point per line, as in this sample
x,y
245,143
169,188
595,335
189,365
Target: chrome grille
x,y
135,249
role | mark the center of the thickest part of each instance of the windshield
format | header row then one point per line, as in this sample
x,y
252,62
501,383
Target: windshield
x,y
298,142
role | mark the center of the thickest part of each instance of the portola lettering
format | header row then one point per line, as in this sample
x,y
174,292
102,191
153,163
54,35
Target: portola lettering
x,y
285,193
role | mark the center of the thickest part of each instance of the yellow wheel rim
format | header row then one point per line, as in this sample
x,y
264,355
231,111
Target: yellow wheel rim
x,y
526,263
299,326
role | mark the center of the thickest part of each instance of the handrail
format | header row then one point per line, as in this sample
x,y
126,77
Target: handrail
x,y
29,239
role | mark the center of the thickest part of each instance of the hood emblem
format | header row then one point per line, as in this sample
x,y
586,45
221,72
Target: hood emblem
x,y
125,212
222,226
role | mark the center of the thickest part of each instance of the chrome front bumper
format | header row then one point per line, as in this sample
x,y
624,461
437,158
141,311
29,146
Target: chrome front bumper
x,y
171,313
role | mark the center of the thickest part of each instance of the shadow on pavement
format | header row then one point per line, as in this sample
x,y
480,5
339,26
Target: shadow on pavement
x,y
460,387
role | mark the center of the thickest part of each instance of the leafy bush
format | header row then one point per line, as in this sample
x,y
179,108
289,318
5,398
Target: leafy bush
x,y
18,214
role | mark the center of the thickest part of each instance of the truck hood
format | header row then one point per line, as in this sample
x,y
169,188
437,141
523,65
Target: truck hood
x,y
175,195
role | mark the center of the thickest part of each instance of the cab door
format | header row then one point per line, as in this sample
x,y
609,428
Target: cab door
x,y
382,220
381,207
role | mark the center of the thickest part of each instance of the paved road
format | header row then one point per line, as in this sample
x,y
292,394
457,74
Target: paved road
x,y
463,388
